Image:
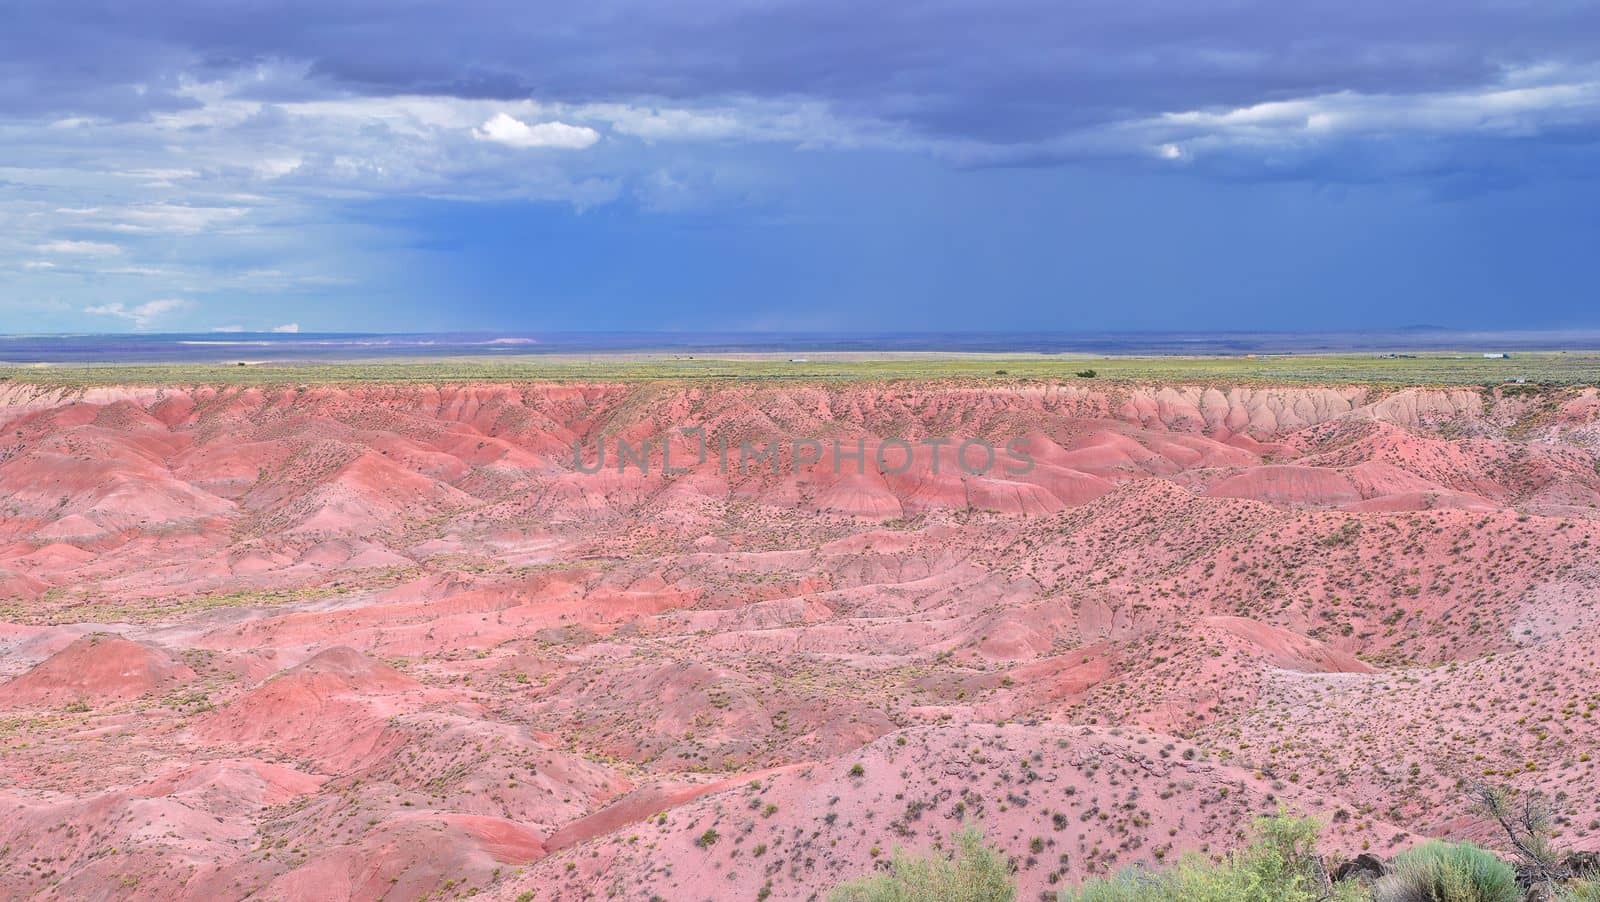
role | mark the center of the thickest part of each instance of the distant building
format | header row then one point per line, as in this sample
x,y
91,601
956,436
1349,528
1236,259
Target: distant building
x,y
798,360
1496,355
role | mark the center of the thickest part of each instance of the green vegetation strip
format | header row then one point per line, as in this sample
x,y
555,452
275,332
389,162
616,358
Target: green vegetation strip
x,y
57,610
1544,367
1283,864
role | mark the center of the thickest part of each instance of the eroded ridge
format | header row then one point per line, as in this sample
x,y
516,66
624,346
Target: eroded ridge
x,y
388,641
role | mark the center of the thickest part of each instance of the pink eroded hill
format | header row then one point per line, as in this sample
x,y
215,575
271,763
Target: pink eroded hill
x,y
360,642
331,708
96,669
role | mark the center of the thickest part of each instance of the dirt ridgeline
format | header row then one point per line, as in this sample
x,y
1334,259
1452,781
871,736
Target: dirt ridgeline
x,y
389,641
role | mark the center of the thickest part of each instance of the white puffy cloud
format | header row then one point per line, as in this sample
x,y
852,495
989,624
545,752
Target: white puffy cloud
x,y
513,132
141,315
287,328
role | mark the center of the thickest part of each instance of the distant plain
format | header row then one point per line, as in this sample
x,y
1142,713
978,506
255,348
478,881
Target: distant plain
x,y
1429,368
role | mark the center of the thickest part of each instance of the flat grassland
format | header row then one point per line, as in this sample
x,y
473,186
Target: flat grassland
x,y
1540,367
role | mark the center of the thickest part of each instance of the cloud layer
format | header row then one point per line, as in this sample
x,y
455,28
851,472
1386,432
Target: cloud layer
x,y
141,316
157,150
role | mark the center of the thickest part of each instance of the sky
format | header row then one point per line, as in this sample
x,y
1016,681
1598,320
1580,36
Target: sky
x,y
773,165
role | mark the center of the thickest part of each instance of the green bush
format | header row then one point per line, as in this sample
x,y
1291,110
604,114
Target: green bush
x,y
1281,865
1581,891
1131,885
1449,872
974,873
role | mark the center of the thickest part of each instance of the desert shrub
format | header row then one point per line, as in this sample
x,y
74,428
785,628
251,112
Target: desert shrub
x,y
1526,818
972,873
1581,891
1281,865
1449,872
1131,885
1087,374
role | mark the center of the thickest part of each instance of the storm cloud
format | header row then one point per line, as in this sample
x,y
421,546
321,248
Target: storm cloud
x,y
992,72
242,128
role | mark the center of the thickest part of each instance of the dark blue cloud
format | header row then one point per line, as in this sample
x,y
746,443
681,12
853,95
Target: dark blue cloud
x,y
788,164
989,70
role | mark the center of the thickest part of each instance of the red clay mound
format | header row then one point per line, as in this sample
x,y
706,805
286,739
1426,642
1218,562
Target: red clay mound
x,y
412,857
20,585
97,669
862,496
1421,501
490,769
644,802
331,708
1286,484
373,493
1287,649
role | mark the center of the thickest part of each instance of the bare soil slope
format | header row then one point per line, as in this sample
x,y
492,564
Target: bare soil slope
x,y
393,641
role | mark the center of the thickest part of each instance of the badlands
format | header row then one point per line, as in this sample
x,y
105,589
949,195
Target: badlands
x,y
390,642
